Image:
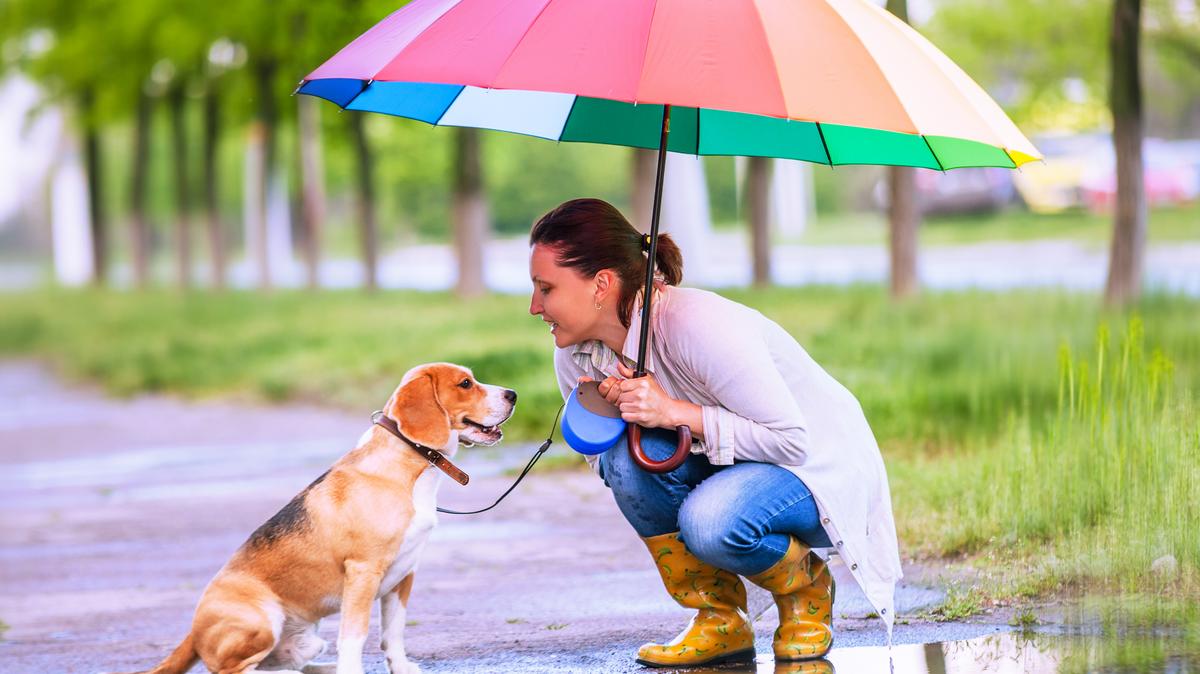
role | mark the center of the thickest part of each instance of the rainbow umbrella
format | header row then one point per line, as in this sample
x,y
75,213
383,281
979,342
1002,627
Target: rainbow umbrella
x,y
827,81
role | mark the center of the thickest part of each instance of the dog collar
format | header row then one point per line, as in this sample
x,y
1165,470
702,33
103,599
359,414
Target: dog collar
x,y
431,455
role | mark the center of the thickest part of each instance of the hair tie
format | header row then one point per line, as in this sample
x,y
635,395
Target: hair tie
x,y
645,243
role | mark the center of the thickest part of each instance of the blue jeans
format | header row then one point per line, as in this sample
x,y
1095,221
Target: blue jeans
x,y
737,517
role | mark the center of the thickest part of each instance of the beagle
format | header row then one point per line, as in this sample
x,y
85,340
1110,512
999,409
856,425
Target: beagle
x,y
352,536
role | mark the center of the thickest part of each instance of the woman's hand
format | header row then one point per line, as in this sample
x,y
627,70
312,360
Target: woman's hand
x,y
644,402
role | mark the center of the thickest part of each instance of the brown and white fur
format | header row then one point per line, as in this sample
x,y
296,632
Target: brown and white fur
x,y
351,537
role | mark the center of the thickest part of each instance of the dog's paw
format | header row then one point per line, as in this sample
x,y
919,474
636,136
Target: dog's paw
x,y
405,666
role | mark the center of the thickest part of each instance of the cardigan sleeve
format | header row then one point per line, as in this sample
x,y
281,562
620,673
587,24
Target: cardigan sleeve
x,y
756,417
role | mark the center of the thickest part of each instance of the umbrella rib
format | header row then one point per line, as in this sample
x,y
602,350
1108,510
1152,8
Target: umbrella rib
x,y
363,84
933,154
824,145
438,121
641,73
517,44
766,41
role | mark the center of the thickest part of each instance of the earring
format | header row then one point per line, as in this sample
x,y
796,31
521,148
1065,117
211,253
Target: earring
x,y
598,307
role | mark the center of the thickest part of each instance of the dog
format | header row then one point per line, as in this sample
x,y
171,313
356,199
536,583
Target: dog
x,y
351,537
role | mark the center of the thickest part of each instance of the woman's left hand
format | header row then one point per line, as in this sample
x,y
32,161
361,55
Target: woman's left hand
x,y
643,401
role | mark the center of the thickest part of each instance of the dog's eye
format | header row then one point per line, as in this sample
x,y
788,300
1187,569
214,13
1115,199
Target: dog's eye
x,y
466,383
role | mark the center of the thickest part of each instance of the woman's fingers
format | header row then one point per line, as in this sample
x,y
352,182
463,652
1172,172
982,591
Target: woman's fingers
x,y
610,389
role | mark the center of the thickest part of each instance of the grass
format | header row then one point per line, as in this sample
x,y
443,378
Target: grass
x,y
1050,441
1092,497
961,602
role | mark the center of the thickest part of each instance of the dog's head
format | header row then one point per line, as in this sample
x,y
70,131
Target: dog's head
x,y
437,400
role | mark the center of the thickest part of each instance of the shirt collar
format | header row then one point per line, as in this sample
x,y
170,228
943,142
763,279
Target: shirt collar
x,y
595,353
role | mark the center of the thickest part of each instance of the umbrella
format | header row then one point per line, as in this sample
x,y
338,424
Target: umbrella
x,y
827,81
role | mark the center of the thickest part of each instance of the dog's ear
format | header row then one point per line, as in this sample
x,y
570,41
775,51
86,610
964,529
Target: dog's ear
x,y
420,415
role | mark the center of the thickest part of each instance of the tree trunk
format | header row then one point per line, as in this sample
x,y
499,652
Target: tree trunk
x,y
470,213
641,201
212,205
1125,98
267,117
312,185
904,215
139,237
93,163
367,227
177,103
758,209
904,218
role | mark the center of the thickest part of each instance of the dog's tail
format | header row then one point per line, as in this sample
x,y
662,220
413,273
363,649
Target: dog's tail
x,y
179,661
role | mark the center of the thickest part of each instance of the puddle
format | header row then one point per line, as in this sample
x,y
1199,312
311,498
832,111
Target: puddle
x,y
1008,653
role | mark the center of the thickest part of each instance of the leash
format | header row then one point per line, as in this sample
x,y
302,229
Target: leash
x,y
438,459
528,467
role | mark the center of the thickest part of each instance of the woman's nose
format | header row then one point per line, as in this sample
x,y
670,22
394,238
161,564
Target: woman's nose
x,y
534,307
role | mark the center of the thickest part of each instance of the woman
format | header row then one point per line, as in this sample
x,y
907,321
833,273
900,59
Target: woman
x,y
783,460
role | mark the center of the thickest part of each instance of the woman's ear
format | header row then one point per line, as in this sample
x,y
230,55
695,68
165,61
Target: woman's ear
x,y
605,284
420,414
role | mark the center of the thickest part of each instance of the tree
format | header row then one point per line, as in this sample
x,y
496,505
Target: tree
x,y
1125,99
758,209
470,212
368,228
904,215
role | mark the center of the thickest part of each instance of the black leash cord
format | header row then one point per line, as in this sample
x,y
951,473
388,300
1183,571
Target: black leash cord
x,y
529,466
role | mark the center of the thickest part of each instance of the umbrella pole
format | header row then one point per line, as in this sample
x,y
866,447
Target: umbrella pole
x,y
683,447
648,294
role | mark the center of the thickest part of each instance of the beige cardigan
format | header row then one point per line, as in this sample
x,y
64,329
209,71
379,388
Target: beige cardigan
x,y
763,398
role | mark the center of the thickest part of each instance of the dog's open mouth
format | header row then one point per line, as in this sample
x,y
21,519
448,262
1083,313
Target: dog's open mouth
x,y
478,434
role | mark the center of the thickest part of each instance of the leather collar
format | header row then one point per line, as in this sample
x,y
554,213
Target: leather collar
x,y
431,455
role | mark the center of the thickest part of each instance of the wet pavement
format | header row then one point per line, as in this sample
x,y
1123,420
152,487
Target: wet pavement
x,y
114,514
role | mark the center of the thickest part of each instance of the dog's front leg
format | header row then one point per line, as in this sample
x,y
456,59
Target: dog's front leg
x,y
361,586
393,609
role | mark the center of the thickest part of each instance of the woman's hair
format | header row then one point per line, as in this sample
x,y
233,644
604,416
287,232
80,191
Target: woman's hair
x,y
591,234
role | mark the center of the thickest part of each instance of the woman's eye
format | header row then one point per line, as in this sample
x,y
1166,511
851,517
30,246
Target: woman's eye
x,y
466,383
545,290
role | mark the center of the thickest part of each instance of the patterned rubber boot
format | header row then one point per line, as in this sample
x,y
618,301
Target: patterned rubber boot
x,y
803,590
721,631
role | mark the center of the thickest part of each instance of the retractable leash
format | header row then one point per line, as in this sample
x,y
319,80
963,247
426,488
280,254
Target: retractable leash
x,y
436,458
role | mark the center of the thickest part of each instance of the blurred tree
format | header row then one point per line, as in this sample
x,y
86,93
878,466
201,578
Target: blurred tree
x,y
904,216
368,228
1024,53
65,46
470,213
1125,98
641,190
758,210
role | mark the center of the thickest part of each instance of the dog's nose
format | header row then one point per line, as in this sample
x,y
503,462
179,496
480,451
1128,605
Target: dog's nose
x,y
510,395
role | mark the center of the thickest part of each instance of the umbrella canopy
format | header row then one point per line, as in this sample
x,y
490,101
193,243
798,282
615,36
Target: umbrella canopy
x,y
827,81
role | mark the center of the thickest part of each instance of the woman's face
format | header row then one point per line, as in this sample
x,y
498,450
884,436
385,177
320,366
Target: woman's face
x,y
565,299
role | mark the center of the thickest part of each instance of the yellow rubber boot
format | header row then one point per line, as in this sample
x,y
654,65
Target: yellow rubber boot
x,y
721,631
803,590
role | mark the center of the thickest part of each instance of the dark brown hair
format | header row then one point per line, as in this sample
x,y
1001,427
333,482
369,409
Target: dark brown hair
x,y
591,234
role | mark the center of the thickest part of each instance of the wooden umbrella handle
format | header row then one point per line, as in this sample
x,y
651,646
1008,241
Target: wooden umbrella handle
x,y
670,463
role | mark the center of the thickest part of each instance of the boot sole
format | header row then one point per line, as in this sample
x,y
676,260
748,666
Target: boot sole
x,y
742,656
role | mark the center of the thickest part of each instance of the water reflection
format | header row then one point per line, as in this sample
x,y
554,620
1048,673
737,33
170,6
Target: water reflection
x,y
1008,653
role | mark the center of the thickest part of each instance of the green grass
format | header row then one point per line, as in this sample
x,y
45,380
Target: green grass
x,y
1093,497
1051,441
1165,225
